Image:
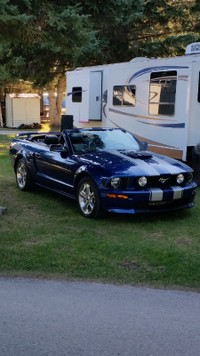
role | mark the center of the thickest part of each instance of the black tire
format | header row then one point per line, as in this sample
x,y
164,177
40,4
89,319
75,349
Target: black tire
x,y
88,198
23,178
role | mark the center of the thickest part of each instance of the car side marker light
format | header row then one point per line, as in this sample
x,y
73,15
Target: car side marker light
x,y
122,196
117,196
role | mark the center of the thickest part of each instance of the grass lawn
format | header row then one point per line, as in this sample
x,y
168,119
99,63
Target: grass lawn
x,y
43,235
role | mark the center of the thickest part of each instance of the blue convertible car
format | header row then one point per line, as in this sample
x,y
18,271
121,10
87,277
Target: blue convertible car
x,y
103,169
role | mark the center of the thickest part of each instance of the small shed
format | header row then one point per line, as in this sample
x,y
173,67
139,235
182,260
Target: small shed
x,y
22,109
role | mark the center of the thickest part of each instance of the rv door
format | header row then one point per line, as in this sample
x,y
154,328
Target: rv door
x,y
95,96
77,97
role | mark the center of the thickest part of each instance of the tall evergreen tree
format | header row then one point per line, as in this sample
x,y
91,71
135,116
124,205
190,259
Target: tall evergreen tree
x,y
40,40
130,28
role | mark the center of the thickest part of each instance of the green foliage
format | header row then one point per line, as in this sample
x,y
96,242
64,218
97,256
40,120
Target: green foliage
x,y
114,20
39,41
13,20
166,29
50,38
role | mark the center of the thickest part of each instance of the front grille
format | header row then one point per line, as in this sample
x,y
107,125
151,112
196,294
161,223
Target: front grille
x,y
162,181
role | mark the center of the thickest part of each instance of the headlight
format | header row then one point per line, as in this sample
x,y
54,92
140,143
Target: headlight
x,y
180,178
142,181
115,182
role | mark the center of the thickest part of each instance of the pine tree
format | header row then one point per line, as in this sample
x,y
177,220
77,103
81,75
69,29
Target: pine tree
x,y
41,40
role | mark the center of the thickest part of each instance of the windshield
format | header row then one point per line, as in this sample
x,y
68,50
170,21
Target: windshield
x,y
103,140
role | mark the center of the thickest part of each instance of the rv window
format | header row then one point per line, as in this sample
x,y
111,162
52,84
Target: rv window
x,y
162,93
77,95
124,95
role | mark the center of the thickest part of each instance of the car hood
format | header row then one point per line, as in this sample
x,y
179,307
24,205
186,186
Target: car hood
x,y
134,163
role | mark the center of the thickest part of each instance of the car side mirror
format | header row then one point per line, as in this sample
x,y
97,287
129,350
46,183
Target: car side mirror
x,y
59,148
145,145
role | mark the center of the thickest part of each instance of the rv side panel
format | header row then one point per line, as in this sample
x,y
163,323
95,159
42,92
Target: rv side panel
x,y
158,100
157,112
194,106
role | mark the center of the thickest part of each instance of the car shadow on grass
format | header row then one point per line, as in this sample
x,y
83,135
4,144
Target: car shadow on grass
x,y
173,216
67,204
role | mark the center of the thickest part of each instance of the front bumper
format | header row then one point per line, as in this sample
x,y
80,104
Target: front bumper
x,y
149,200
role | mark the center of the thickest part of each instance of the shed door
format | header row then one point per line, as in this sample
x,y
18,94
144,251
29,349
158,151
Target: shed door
x,y
95,96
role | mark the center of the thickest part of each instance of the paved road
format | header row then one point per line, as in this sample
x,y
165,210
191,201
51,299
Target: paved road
x,y
88,319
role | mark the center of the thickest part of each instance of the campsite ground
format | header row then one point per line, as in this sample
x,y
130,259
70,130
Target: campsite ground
x,y
43,235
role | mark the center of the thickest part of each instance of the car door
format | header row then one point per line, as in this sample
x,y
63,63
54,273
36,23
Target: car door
x,y
55,170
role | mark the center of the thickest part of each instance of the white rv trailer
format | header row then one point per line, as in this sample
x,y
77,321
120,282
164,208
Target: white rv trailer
x,y
158,100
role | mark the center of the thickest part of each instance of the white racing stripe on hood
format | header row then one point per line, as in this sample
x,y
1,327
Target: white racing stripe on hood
x,y
170,167
148,168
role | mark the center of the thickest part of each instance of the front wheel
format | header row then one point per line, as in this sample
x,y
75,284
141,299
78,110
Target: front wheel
x,y
88,198
23,178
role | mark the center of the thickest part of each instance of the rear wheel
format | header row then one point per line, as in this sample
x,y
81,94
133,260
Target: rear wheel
x,y
88,198
23,176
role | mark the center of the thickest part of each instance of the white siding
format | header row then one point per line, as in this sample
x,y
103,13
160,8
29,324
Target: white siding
x,y
9,115
22,110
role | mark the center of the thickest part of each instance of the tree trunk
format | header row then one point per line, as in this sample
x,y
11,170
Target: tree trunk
x,y
55,103
1,118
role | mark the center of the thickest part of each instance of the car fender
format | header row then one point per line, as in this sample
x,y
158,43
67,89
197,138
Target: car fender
x,y
17,155
97,175
80,173
28,157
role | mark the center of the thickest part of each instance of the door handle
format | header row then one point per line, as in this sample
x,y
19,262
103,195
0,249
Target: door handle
x,y
37,155
30,155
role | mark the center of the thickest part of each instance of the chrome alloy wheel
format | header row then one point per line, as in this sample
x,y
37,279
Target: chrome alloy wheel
x,y
86,198
21,175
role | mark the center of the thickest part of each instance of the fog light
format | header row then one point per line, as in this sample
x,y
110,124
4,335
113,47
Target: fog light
x,y
180,178
115,182
142,181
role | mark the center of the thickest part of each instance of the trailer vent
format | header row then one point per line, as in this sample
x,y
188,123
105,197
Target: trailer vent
x,y
193,48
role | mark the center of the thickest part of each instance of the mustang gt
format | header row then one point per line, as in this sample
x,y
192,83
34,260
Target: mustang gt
x,y
104,169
